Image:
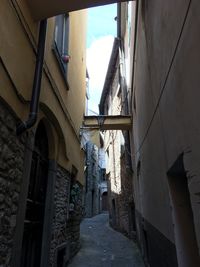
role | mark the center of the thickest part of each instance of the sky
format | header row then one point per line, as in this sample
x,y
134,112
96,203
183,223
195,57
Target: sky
x,y
102,29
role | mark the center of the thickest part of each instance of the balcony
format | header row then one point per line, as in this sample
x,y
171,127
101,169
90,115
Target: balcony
x,y
41,9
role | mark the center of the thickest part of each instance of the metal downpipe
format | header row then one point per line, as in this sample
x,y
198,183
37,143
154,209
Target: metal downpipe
x,y
32,118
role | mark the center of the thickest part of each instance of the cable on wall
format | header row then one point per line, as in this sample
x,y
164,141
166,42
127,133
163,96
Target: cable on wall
x,y
166,79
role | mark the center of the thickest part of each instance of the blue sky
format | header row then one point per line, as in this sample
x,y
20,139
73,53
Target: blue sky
x,y
101,32
101,22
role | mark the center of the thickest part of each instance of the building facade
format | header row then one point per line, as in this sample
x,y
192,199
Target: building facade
x,y
91,180
103,183
42,167
162,93
165,109
116,142
95,180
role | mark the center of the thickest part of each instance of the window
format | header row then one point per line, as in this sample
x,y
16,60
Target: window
x,y
61,40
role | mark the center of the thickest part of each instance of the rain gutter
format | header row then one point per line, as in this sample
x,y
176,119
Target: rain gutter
x,y
32,118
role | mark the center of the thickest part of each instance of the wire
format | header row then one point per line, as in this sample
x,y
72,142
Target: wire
x,y
166,79
92,111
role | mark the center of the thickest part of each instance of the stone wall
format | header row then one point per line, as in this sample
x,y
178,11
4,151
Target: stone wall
x,y
65,227
73,227
120,186
66,223
92,181
125,199
75,217
11,170
60,230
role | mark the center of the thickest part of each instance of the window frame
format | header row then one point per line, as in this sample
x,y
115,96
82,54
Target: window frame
x,y
60,45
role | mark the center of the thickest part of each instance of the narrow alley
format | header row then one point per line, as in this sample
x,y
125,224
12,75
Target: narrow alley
x,y
101,246
99,133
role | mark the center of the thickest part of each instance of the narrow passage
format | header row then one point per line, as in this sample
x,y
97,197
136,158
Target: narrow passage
x,y
101,246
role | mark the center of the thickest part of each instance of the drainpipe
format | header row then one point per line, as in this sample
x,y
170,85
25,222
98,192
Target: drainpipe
x,y
32,118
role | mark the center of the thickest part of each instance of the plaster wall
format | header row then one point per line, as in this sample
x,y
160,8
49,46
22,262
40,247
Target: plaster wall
x,y
61,103
166,112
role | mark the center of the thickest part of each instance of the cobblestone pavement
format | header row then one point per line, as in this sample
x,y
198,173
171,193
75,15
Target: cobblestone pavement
x,y
101,246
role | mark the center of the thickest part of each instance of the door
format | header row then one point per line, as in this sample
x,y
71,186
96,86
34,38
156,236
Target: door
x,y
184,228
104,201
35,203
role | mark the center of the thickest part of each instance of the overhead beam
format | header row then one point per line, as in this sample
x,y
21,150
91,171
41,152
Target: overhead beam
x,y
113,122
41,9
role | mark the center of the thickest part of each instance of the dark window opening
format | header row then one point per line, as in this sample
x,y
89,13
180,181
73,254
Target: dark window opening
x,y
103,174
146,246
132,223
60,257
138,169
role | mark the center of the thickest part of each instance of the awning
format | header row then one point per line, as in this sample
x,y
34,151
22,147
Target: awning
x,y
41,9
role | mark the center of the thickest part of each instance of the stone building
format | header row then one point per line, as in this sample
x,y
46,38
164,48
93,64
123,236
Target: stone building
x,y
41,169
95,180
91,180
103,183
41,164
116,142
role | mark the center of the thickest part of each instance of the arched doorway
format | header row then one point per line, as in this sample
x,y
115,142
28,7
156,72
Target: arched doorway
x,y
105,201
35,203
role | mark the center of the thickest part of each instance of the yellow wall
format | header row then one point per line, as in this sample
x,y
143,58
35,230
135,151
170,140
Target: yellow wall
x,y
63,107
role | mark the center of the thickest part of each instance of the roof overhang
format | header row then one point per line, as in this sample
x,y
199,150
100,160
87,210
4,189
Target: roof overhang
x,y
41,9
110,74
109,122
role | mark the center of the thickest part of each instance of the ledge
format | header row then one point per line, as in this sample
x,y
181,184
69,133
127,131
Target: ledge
x,y
41,9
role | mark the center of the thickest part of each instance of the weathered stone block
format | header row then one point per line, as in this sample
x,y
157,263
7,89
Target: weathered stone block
x,y
11,168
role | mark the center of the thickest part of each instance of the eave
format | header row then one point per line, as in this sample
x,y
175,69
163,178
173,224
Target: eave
x,y
109,75
41,9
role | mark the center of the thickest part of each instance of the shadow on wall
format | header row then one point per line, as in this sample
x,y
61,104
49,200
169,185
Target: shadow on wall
x,y
122,215
104,201
121,205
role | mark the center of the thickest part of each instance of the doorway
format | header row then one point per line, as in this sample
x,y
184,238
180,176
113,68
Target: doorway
x,y
184,229
131,217
35,203
105,201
